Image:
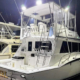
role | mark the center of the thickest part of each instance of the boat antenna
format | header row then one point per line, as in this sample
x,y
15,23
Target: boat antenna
x,y
17,6
18,11
2,18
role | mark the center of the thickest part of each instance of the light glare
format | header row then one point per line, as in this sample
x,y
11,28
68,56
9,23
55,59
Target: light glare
x,y
38,2
23,7
67,9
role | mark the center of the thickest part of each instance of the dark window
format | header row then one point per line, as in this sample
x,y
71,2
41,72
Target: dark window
x,y
2,46
29,46
69,43
46,45
79,47
64,47
75,47
14,48
37,44
43,45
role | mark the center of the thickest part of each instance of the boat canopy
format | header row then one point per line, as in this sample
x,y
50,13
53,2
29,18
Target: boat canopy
x,y
39,11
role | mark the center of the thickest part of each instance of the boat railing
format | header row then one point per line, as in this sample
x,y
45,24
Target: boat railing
x,y
62,59
5,49
4,34
9,30
2,48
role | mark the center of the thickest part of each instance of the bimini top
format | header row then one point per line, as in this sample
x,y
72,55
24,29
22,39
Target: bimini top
x,y
43,9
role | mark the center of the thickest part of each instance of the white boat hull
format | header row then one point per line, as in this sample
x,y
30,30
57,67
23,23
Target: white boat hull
x,y
66,71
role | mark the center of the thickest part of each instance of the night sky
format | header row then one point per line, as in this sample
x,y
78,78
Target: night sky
x,y
10,13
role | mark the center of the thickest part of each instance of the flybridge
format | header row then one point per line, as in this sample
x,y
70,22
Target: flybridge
x,y
60,19
43,10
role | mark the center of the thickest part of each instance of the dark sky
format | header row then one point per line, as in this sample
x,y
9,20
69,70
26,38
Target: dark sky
x,y
10,13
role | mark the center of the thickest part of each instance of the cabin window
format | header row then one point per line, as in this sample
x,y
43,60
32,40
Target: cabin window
x,y
70,46
43,45
14,48
73,47
2,46
37,44
64,47
29,46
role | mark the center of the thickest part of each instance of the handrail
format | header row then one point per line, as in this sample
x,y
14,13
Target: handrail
x,y
68,47
6,34
3,34
61,59
6,49
7,28
3,47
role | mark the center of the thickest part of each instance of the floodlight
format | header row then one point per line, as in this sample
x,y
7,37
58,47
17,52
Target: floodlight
x,y
23,7
39,2
67,8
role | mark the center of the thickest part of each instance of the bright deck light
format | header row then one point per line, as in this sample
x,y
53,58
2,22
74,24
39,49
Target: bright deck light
x,y
67,8
23,7
38,2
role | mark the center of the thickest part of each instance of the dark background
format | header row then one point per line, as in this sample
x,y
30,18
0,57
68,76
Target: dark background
x,y
10,13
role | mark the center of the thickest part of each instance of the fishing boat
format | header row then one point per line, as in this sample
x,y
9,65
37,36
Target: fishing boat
x,y
9,39
50,48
